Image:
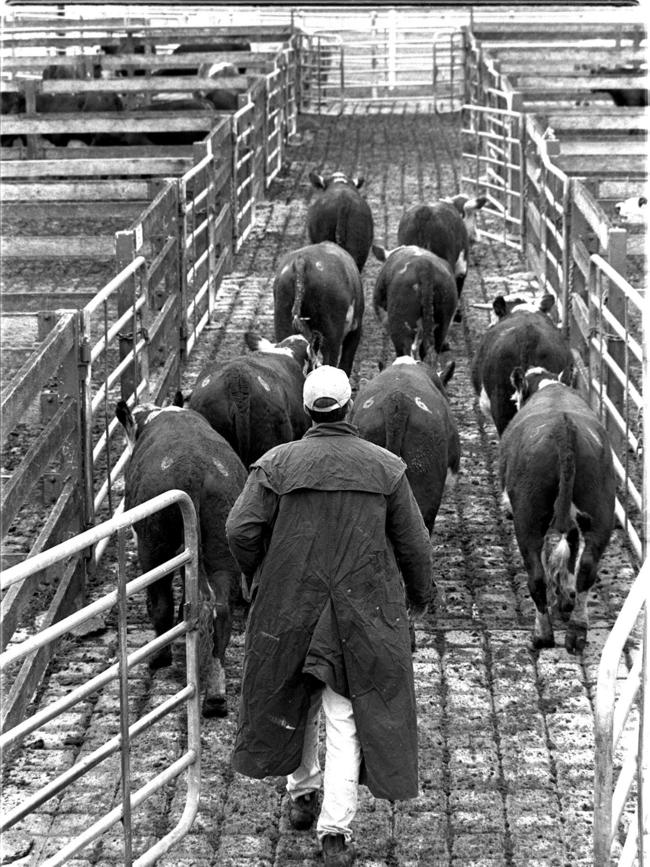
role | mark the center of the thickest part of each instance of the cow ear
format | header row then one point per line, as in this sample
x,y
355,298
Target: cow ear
x,y
252,340
358,181
568,376
178,400
499,306
518,380
380,365
379,252
317,180
547,303
125,418
642,201
475,204
447,372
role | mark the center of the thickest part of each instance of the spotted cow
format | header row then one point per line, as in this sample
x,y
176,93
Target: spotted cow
x,y
341,214
405,409
524,336
176,448
557,475
415,298
446,228
317,292
255,400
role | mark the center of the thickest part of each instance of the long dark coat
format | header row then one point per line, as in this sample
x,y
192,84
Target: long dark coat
x,y
322,524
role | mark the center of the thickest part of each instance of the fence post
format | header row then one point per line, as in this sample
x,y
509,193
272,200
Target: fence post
x,y
125,251
616,256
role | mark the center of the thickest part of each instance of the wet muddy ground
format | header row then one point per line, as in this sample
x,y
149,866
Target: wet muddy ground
x,y
506,734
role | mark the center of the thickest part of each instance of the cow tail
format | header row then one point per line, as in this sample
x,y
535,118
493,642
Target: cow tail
x,y
297,321
342,222
241,415
395,421
565,439
428,318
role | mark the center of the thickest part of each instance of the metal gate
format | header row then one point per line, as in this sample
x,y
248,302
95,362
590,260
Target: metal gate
x,y
492,164
128,658
381,66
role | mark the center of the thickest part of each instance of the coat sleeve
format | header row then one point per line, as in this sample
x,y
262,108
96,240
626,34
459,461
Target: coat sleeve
x,y
411,543
249,524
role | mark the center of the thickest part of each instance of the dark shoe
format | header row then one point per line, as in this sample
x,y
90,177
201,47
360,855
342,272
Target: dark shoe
x,y
335,851
303,811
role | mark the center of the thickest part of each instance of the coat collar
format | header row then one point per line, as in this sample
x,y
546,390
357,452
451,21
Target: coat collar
x,y
336,429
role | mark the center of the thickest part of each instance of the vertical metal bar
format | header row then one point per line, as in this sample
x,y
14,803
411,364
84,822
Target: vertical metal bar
x,y
125,747
643,768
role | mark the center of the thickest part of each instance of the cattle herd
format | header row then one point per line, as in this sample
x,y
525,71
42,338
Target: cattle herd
x,y
555,465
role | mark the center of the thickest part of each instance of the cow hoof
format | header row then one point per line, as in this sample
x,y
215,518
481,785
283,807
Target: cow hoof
x,y
215,705
161,660
575,639
539,642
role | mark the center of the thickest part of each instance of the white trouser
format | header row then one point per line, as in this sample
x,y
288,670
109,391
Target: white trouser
x,y
342,764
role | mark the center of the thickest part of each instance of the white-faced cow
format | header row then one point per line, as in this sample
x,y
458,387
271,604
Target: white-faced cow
x,y
405,409
523,336
558,480
255,400
633,210
446,228
341,214
415,298
176,448
317,292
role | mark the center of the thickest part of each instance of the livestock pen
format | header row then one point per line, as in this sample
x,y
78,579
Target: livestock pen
x,y
507,735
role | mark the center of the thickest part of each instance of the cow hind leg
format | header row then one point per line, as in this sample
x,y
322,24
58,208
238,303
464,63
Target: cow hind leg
x,y
349,349
160,605
575,638
213,657
543,628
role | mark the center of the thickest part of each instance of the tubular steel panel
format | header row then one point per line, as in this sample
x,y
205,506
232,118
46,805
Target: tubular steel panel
x,y
607,734
190,694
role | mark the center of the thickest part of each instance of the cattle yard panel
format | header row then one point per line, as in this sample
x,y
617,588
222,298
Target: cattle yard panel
x,y
129,656
40,397
207,239
614,716
243,172
492,156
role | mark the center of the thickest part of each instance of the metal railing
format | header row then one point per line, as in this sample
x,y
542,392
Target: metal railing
x,y
189,695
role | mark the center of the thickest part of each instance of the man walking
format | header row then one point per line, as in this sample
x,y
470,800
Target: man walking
x,y
322,530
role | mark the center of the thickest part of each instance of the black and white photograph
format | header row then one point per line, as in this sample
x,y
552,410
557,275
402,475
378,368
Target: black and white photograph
x,y
325,374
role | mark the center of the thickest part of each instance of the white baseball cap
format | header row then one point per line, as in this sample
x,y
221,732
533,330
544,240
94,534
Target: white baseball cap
x,y
326,388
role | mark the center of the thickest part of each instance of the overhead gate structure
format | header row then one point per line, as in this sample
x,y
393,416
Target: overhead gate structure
x,y
383,65
128,657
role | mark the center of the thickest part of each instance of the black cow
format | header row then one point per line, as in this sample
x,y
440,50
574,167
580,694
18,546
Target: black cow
x,y
405,409
624,96
558,480
255,400
176,448
184,106
523,336
317,292
446,228
341,214
415,297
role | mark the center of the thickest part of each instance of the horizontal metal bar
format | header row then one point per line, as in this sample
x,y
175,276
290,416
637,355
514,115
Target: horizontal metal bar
x,y
117,281
110,819
87,762
34,722
116,327
626,698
